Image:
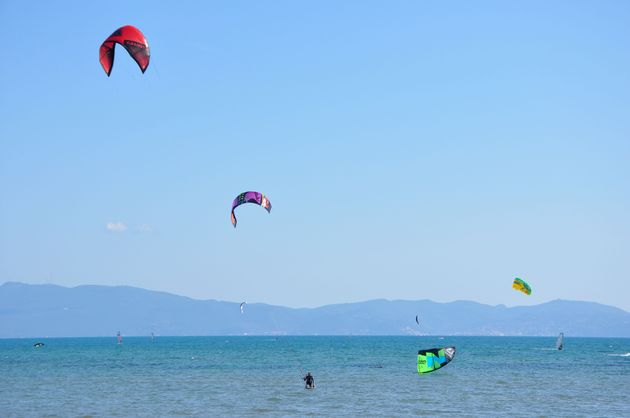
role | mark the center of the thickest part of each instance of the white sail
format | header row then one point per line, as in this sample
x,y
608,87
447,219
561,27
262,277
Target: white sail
x,y
560,341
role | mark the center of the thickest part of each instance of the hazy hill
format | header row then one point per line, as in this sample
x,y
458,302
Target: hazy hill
x,y
55,311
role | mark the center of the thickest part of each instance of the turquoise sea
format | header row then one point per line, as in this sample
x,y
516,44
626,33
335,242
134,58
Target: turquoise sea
x,y
355,376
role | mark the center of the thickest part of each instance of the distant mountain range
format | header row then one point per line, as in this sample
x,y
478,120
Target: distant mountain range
x,y
55,311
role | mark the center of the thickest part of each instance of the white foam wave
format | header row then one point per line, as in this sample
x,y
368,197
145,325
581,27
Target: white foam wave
x,y
620,355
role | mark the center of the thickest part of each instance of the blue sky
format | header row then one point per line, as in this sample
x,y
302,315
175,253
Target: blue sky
x,y
411,150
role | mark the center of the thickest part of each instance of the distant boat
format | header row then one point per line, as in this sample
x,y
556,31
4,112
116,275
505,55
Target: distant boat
x,y
560,341
119,338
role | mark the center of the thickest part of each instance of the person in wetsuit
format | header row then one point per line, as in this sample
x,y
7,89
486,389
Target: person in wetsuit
x,y
310,381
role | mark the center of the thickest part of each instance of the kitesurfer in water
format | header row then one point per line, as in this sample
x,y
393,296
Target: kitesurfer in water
x,y
310,381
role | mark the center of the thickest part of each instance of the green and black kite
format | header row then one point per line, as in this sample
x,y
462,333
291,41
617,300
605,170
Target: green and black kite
x,y
434,358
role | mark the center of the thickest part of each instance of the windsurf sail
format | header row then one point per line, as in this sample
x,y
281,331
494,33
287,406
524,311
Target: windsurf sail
x,y
434,358
560,341
119,338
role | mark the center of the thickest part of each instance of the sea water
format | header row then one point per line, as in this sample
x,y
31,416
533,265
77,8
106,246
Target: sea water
x,y
354,376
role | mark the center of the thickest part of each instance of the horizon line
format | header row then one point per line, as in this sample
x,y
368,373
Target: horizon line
x,y
441,336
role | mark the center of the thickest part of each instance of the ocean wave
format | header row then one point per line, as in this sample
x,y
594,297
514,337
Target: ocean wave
x,y
620,355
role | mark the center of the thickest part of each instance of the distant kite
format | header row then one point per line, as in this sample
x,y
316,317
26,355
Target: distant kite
x,y
242,306
417,321
249,197
133,41
520,284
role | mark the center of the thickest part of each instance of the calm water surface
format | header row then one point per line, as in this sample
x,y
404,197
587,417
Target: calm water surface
x,y
245,376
